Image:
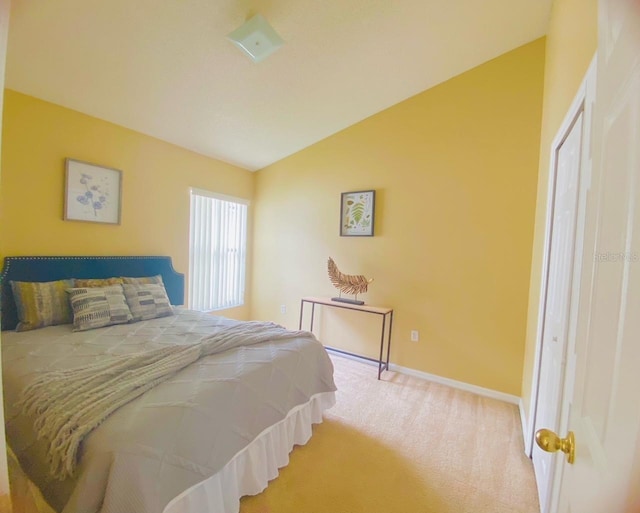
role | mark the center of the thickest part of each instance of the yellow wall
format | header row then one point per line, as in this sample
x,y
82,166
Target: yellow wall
x,y
571,44
455,187
38,136
455,173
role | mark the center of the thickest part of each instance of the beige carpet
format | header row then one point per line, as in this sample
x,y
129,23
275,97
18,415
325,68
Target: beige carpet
x,y
404,445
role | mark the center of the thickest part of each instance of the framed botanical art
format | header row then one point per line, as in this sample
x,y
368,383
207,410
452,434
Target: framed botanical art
x,y
92,193
357,210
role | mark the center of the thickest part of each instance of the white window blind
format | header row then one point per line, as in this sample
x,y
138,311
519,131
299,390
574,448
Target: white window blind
x,y
217,251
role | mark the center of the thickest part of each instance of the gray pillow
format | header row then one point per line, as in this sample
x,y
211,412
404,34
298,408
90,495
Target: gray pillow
x,y
147,301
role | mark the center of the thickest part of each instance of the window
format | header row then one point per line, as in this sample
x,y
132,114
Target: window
x,y
217,251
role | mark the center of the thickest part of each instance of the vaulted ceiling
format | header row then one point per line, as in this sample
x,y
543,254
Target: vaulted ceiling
x,y
165,68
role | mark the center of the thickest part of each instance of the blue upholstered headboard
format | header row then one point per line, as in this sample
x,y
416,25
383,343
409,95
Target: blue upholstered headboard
x,y
51,268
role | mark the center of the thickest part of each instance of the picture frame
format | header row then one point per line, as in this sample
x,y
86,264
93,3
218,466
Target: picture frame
x,y
357,213
92,193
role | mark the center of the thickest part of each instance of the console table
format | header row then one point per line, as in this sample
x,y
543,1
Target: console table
x,y
376,310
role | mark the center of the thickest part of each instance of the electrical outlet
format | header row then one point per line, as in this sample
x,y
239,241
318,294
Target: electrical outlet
x,y
415,336
283,309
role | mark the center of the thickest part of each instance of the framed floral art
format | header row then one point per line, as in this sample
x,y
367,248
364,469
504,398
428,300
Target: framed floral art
x,y
357,211
92,193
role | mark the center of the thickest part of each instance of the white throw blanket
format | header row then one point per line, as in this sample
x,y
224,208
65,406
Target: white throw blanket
x,y
68,405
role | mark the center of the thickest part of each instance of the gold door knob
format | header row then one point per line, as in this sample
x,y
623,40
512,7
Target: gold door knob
x,y
548,441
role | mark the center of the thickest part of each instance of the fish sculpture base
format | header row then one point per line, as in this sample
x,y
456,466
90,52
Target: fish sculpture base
x,y
347,300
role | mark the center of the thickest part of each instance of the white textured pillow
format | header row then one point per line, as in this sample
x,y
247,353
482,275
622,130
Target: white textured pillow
x,y
97,307
147,301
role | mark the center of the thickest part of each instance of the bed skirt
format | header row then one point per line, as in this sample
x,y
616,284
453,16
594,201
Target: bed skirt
x,y
248,473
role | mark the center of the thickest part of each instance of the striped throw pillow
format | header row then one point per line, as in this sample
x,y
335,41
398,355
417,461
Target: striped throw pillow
x,y
96,307
147,301
41,304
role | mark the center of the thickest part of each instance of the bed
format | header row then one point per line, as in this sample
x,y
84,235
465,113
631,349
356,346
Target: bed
x,y
214,431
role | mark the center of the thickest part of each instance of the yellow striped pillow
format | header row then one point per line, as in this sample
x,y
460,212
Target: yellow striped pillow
x,y
144,280
97,282
41,304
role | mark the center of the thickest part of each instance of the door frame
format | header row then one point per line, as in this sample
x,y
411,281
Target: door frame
x,y
5,502
582,102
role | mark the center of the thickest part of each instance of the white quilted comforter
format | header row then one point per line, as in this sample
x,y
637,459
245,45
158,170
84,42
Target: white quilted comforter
x,y
177,434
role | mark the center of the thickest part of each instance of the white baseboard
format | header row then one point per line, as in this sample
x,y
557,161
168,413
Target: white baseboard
x,y
486,392
525,429
353,357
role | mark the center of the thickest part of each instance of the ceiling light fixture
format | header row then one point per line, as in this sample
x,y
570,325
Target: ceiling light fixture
x,y
256,38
